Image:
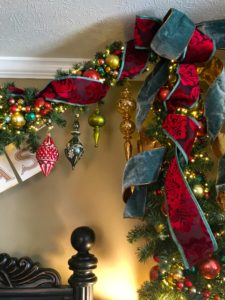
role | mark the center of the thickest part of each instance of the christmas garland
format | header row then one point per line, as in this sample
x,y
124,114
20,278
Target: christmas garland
x,y
182,51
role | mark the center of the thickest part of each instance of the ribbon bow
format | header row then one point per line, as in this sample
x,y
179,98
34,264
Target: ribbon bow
x,y
178,38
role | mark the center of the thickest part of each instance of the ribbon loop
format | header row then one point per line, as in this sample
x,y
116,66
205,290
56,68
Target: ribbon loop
x,y
173,36
144,31
140,171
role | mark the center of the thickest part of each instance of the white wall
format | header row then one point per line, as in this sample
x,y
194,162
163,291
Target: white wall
x,y
38,215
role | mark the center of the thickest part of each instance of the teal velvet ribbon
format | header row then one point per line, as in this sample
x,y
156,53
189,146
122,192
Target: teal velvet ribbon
x,y
140,171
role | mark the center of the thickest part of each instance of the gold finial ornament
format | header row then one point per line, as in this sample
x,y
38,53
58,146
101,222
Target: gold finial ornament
x,y
125,106
96,120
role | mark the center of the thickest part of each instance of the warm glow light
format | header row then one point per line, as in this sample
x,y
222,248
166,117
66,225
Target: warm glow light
x,y
116,282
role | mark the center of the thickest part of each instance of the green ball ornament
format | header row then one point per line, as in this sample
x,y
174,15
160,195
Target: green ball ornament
x,y
200,179
31,116
101,71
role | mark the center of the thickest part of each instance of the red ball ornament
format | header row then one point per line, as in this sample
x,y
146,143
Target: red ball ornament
x,y
39,102
101,61
207,195
179,285
27,109
158,192
188,283
47,155
201,129
163,93
156,258
91,74
154,273
210,268
44,112
206,294
13,108
216,297
117,52
164,209
48,105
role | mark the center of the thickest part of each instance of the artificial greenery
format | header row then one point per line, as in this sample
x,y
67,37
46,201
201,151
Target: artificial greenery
x,y
154,231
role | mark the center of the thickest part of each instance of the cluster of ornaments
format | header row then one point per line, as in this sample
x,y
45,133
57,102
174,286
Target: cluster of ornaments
x,y
20,114
105,67
175,277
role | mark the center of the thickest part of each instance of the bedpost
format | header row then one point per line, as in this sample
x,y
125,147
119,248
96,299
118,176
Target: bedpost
x,y
82,264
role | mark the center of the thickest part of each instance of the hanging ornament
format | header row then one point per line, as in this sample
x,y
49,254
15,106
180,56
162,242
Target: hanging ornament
x,y
113,61
74,149
47,155
96,120
18,120
210,268
125,106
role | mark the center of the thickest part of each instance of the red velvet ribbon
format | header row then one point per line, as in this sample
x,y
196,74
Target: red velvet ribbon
x,y
188,225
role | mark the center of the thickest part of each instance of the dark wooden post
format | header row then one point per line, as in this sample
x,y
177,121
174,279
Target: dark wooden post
x,y
82,264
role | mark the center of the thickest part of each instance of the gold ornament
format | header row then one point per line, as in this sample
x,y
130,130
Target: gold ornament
x,y
125,106
107,69
198,190
96,120
178,275
221,200
20,101
218,145
159,228
209,72
18,120
172,78
113,61
145,143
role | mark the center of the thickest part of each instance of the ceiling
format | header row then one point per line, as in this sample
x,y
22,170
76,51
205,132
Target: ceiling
x,y
78,28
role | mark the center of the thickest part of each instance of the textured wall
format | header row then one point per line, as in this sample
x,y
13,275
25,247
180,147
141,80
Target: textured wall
x,y
77,28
